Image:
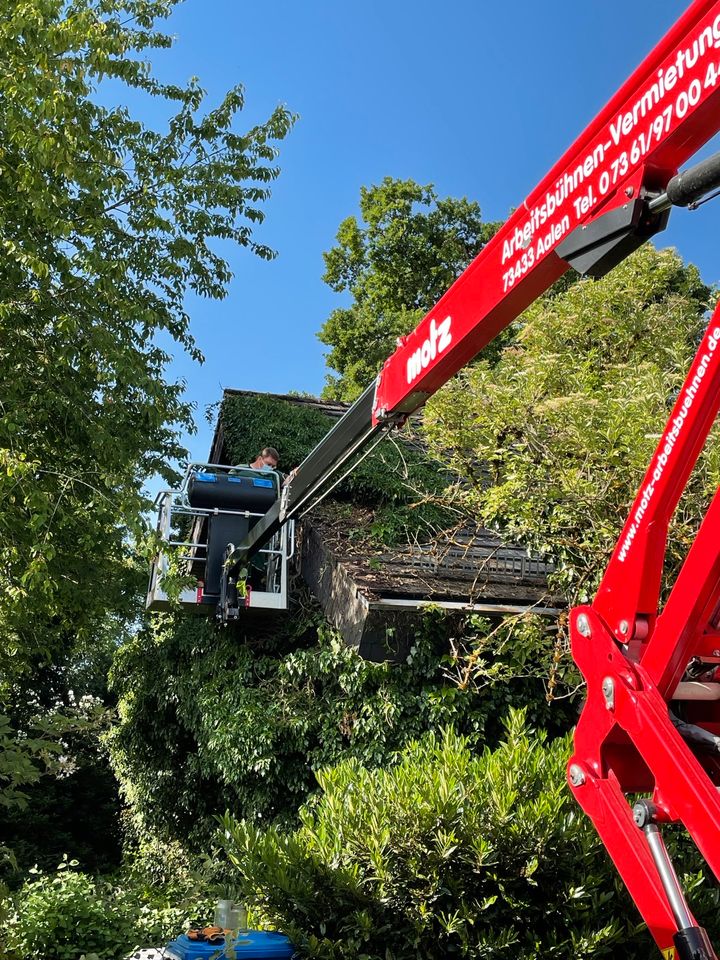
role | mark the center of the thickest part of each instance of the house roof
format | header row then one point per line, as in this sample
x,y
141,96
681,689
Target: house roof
x,y
331,408
350,574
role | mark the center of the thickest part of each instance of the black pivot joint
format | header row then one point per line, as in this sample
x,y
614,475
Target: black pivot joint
x,y
693,944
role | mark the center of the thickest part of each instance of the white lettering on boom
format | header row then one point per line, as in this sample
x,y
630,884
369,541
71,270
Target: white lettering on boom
x,y
439,340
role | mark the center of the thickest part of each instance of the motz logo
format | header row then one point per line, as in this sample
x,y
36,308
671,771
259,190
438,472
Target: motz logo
x,y
439,340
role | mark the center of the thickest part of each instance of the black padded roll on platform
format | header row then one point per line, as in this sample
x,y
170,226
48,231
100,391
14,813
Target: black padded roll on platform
x,y
241,491
244,489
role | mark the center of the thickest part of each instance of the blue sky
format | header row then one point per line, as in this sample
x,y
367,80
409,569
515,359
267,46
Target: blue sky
x,y
478,98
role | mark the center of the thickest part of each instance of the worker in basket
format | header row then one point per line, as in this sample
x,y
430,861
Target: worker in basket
x,y
268,459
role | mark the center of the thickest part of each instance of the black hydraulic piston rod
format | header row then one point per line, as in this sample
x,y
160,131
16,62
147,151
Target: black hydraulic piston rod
x,y
689,186
597,247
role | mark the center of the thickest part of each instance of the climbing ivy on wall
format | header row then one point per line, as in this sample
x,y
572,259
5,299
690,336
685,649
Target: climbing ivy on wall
x,y
407,487
251,422
220,719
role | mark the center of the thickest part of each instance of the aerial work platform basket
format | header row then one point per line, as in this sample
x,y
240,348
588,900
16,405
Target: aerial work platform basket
x,y
200,524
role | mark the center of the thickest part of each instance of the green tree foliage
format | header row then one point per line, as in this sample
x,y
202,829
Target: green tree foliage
x,y
554,438
22,761
69,800
444,853
71,806
209,722
105,224
395,263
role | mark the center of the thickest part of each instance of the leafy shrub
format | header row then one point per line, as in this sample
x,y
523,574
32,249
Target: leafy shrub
x,y
443,854
67,914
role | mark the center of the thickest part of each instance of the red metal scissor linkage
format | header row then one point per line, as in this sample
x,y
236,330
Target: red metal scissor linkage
x,y
634,661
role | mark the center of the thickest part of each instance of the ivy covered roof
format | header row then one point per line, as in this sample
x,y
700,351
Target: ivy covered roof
x,y
389,532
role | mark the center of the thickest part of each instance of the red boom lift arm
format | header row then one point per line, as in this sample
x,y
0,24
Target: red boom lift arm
x,y
609,193
628,739
586,212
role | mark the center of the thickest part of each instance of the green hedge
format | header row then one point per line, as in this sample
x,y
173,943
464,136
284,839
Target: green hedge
x,y
445,854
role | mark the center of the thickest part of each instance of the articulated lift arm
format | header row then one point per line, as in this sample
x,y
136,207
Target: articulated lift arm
x,y
629,740
610,191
